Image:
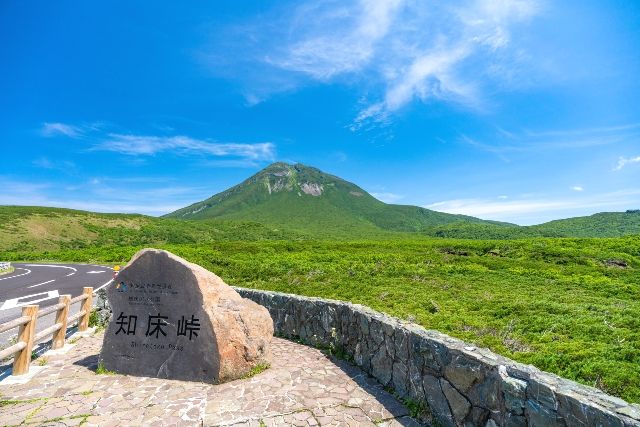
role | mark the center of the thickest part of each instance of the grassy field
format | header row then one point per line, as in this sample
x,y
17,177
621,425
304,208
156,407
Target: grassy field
x,y
32,228
568,306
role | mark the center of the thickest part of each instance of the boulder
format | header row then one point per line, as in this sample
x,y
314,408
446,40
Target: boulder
x,y
174,319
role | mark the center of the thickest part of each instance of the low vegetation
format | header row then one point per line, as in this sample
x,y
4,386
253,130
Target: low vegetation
x,y
258,369
568,306
101,370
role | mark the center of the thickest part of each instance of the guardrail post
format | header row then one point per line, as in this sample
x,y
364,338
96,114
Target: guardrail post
x,y
87,304
25,334
61,317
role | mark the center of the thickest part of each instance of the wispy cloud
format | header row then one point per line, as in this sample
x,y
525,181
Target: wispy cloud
x,y
147,145
51,129
335,38
623,161
521,210
585,131
412,49
504,142
577,188
56,129
61,165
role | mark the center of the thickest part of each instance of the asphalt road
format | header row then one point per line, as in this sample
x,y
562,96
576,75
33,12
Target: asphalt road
x,y
42,284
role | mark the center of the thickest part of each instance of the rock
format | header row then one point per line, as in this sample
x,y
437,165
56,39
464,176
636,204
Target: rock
x,y
381,366
176,320
437,401
463,372
459,405
311,188
540,416
514,392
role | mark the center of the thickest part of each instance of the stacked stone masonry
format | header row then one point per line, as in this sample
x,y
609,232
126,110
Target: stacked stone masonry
x,y
458,384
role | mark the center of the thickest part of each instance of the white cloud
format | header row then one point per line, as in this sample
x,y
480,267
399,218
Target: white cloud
x,y
149,145
343,41
578,188
623,161
51,129
411,49
523,210
56,129
145,145
388,197
60,165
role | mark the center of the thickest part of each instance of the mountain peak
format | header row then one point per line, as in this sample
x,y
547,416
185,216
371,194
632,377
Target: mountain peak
x,y
300,178
301,197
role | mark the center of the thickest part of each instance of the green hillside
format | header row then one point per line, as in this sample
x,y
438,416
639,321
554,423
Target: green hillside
x,y
29,228
604,224
306,199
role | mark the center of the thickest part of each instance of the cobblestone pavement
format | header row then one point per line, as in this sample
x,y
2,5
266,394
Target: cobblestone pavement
x,y
303,387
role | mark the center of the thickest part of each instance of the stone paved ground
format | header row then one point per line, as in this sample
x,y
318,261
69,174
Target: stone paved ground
x,y
303,387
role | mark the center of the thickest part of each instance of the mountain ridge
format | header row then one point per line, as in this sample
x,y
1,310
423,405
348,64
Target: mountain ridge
x,y
304,196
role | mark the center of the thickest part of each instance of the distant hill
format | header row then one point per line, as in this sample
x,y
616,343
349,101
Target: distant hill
x,y
605,224
306,199
32,228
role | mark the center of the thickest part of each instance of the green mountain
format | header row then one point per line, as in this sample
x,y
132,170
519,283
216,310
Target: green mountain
x,y
604,224
306,199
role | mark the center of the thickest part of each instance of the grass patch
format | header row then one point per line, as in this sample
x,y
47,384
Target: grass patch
x,y
101,370
43,361
94,319
9,402
259,368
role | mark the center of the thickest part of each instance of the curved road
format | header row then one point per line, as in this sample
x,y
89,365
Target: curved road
x,y
42,284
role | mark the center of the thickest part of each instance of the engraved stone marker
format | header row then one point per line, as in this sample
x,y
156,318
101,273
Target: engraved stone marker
x,y
174,319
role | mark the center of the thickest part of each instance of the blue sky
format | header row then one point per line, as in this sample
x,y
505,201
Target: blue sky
x,y
523,111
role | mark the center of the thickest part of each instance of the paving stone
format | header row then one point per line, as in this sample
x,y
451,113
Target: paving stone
x,y
399,422
15,414
303,387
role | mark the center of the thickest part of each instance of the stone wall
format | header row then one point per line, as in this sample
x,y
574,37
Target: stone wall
x,y
458,384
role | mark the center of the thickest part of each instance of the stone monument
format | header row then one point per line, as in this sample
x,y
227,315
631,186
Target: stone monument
x,y
174,319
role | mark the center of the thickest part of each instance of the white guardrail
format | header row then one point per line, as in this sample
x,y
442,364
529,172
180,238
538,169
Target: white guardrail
x,y
5,266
